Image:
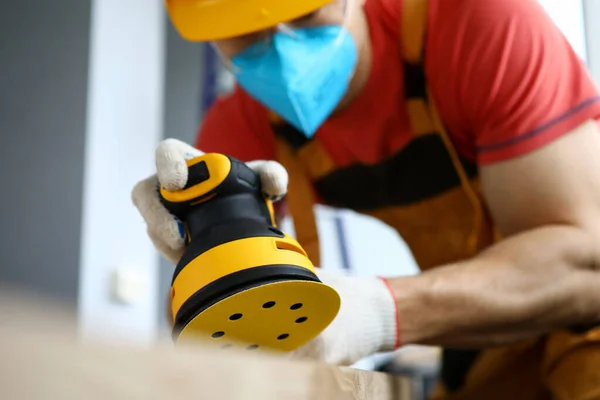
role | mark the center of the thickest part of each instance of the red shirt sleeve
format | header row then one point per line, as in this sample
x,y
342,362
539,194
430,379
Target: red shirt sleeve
x,y
504,77
237,126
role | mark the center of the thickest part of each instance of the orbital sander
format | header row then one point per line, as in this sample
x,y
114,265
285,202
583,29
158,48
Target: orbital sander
x,y
241,280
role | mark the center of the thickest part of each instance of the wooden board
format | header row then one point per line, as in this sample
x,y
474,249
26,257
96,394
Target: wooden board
x,y
41,358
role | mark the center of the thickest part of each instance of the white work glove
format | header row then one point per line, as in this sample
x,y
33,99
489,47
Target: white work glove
x,y
165,230
366,323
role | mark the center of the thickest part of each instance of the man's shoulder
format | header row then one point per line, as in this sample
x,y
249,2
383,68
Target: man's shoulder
x,y
444,10
485,12
385,13
443,13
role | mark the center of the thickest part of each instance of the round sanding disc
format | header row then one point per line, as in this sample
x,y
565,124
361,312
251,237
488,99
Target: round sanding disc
x,y
277,316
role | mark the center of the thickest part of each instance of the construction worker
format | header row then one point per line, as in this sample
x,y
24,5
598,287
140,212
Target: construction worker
x,y
470,126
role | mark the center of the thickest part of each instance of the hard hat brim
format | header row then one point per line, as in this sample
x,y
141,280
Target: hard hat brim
x,y
209,20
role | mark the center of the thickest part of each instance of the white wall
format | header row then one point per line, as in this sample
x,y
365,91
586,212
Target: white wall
x,y
592,29
125,111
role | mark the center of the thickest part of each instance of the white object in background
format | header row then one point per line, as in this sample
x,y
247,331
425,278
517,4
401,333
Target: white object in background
x,y
129,286
124,127
328,240
373,247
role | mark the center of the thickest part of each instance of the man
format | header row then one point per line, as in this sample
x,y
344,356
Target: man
x,y
470,126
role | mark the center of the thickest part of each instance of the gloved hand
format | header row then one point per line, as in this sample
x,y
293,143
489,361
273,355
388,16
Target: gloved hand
x,y
366,324
166,231
367,320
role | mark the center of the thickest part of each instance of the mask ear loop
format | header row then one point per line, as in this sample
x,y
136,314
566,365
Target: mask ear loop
x,y
228,62
229,66
346,18
286,30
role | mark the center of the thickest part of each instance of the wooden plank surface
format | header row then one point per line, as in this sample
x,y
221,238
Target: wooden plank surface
x,y
41,358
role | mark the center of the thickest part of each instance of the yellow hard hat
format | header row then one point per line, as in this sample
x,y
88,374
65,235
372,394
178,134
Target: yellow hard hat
x,y
207,20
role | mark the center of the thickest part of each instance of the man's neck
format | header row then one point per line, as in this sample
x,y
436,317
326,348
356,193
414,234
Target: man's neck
x,y
363,67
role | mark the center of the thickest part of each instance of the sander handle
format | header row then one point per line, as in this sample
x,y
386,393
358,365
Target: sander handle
x,y
220,190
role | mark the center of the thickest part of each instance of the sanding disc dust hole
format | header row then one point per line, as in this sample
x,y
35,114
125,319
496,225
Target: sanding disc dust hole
x,y
269,304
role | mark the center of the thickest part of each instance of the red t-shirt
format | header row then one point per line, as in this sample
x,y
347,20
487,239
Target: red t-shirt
x,y
505,80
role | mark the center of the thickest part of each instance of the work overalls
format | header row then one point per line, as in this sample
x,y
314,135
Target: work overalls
x,y
430,195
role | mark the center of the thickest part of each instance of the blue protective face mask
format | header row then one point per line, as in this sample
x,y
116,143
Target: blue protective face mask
x,y
301,77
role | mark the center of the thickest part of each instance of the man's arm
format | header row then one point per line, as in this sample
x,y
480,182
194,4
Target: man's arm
x,y
544,275
507,80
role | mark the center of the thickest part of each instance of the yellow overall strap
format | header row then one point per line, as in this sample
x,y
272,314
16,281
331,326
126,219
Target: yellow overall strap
x,y
413,26
300,197
423,112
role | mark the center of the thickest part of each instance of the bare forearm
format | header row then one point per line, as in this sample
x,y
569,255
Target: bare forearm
x,y
521,287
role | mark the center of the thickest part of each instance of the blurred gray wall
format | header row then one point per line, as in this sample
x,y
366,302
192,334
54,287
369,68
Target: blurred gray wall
x,y
44,53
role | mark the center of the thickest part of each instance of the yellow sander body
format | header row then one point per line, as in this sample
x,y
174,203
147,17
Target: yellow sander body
x,y
241,280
